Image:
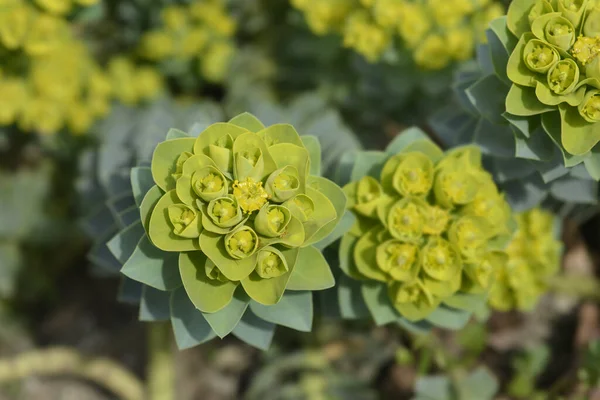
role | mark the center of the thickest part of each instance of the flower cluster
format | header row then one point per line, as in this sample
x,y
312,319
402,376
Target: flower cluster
x,y
200,33
238,210
429,226
555,69
49,80
533,257
437,32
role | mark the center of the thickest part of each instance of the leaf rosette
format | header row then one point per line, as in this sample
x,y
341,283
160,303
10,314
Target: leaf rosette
x,y
530,104
429,233
231,218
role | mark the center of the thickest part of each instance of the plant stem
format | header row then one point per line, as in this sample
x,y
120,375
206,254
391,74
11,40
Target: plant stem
x,y
64,361
161,368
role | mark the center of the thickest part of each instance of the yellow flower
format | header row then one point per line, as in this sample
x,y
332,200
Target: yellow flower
x,y
43,115
87,3
413,24
122,74
448,13
46,34
460,43
174,17
14,23
157,45
387,13
13,98
148,83
250,194
194,41
215,62
58,7
433,53
79,118
365,37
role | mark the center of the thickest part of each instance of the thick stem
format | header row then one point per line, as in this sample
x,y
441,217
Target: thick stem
x,y
161,368
63,361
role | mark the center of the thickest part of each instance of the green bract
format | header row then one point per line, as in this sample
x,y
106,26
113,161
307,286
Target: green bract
x,y
533,258
427,222
229,224
530,104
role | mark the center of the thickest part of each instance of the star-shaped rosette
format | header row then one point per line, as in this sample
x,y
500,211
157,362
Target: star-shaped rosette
x,y
524,113
430,231
231,228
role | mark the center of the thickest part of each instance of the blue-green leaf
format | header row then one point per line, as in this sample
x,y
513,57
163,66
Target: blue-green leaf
x,y
189,325
294,310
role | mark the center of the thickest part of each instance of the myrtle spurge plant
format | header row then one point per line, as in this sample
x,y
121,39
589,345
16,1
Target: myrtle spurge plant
x,y
231,223
430,230
533,258
435,32
524,150
553,68
49,79
199,34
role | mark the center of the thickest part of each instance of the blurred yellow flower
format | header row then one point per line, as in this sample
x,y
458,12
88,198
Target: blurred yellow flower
x,y
14,23
12,100
46,33
216,60
58,7
365,37
432,53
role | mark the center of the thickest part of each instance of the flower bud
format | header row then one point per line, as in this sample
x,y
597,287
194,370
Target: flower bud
x,y
589,108
271,263
560,32
540,8
572,10
455,187
591,27
283,184
405,221
301,206
539,56
415,294
399,260
185,220
241,243
440,259
249,164
368,192
563,76
272,220
221,153
414,175
213,273
179,164
208,183
435,220
225,212
468,234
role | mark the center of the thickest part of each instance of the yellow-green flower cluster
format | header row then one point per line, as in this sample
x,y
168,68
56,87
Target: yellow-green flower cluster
x,y
533,257
429,226
49,80
437,32
202,31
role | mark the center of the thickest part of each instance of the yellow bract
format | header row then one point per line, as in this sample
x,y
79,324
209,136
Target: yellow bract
x,y
438,31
